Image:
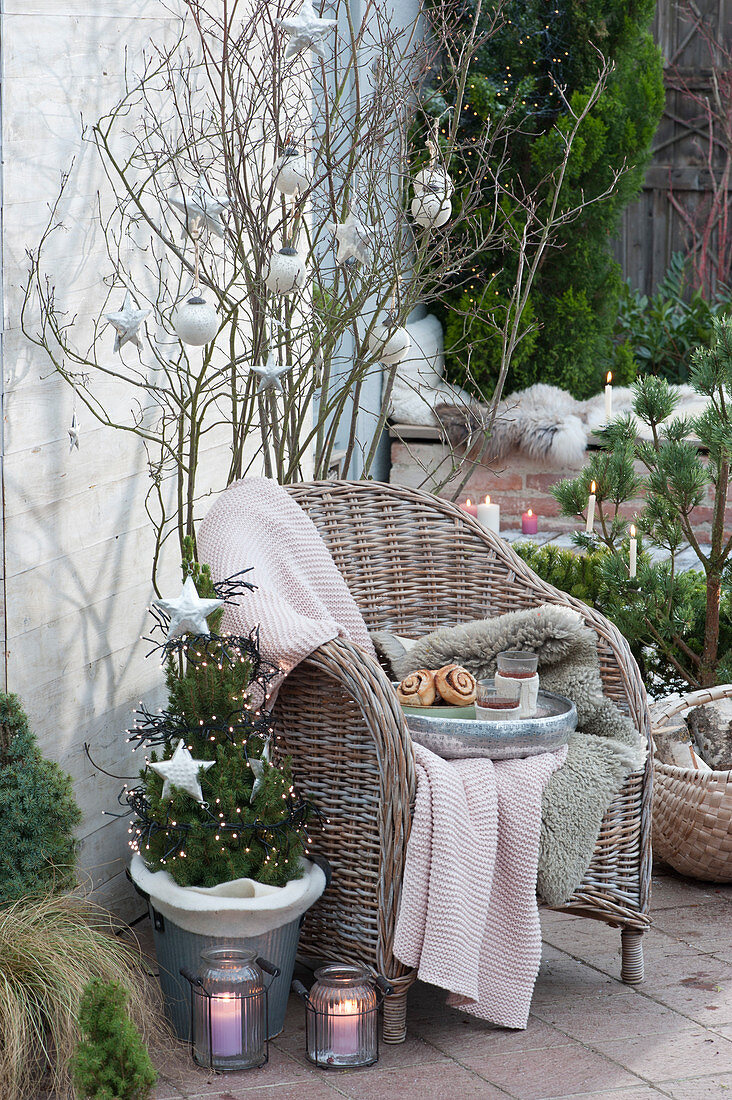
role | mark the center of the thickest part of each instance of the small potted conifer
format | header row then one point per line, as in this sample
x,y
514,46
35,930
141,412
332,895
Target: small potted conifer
x,y
219,834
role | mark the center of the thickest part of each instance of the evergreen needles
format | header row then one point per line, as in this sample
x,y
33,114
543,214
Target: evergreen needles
x,y
111,1061
683,616
38,812
250,823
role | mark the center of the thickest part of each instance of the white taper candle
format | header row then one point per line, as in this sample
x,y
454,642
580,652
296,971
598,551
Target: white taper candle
x,y
590,525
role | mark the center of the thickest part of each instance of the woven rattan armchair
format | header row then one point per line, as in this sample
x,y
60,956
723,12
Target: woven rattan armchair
x,y
414,562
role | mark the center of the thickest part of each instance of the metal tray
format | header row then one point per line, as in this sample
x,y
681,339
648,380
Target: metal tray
x,y
464,737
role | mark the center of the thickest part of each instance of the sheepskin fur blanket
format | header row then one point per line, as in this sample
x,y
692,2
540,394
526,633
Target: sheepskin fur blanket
x,y
543,421
603,751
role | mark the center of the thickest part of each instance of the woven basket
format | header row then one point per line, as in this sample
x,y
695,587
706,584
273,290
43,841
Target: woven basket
x,y
692,810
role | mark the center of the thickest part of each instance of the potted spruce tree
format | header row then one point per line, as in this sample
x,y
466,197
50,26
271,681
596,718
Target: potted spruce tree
x,y
219,834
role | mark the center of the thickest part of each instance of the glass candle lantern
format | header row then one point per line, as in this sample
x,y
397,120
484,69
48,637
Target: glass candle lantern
x,y
229,1009
341,1016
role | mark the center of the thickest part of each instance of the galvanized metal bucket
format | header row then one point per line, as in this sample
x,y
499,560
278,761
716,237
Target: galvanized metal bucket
x,y
177,946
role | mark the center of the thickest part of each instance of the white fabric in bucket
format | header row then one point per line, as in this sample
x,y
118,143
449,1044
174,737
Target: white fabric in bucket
x,y
242,908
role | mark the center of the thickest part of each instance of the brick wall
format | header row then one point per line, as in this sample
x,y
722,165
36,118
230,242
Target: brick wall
x,y
515,483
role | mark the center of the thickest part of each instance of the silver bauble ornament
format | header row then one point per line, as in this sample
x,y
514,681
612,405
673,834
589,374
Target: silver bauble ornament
x,y
286,272
430,210
292,172
195,322
389,341
436,179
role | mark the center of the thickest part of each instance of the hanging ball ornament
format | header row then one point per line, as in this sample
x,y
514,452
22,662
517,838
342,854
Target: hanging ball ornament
x,y
286,271
389,341
195,322
431,210
292,172
434,178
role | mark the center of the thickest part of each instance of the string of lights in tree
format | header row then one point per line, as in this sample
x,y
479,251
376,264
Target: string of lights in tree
x,y
237,834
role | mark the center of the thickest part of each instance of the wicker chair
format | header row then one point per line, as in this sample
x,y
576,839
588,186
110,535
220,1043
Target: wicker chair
x,y
414,562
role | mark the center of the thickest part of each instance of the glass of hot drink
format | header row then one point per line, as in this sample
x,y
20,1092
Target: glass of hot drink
x,y
518,664
492,707
517,679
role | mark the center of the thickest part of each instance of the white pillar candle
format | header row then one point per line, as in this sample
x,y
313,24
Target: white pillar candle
x,y
489,515
590,525
609,396
344,1023
633,552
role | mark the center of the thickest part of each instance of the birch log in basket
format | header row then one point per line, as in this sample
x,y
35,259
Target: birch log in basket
x,y
692,810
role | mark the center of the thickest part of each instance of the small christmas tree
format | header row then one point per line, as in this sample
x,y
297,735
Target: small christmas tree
x,y
111,1060
212,805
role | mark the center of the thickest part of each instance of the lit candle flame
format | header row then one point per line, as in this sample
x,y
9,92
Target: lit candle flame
x,y
632,531
592,487
529,513
487,499
609,377
468,503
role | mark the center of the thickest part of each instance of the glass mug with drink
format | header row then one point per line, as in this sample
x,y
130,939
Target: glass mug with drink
x,y
517,679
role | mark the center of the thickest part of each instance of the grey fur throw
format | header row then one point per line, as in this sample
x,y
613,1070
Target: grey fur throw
x,y
605,749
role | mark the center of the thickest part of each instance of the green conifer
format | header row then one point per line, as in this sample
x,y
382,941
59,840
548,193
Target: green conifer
x,y
111,1061
250,824
38,812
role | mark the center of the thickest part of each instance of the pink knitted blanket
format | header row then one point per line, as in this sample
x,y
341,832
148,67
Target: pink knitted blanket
x,y
468,916
301,599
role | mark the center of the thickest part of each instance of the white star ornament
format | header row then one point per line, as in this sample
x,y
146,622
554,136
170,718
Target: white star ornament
x,y
203,206
181,771
306,31
270,373
74,433
257,767
189,612
354,238
126,323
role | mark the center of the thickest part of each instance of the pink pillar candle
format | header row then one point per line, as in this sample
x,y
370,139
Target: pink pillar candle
x,y
226,1037
470,508
529,523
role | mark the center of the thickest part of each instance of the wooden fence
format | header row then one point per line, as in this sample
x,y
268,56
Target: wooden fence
x,y
685,198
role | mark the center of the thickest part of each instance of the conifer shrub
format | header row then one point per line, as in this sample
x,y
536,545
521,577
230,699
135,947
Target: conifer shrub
x,y
38,812
111,1061
517,72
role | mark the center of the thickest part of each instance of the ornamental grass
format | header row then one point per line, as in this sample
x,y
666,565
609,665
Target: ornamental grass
x,y
50,948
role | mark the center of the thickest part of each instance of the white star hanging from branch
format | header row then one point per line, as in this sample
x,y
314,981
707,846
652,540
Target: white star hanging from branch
x,y
74,433
257,767
181,771
270,374
202,207
126,323
306,31
354,238
189,612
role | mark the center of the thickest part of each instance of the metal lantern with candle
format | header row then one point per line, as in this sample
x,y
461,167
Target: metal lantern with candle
x,y
341,1016
229,1009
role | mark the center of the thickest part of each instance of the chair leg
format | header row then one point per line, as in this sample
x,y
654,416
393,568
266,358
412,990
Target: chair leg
x,y
631,970
395,1016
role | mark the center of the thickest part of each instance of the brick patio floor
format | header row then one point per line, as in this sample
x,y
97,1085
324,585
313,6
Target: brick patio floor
x,y
589,1035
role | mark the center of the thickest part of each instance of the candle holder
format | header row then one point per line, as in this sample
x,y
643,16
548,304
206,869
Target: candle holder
x,y
490,706
341,1016
229,1017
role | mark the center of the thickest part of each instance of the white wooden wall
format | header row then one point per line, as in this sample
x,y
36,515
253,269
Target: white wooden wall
x,y
77,546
